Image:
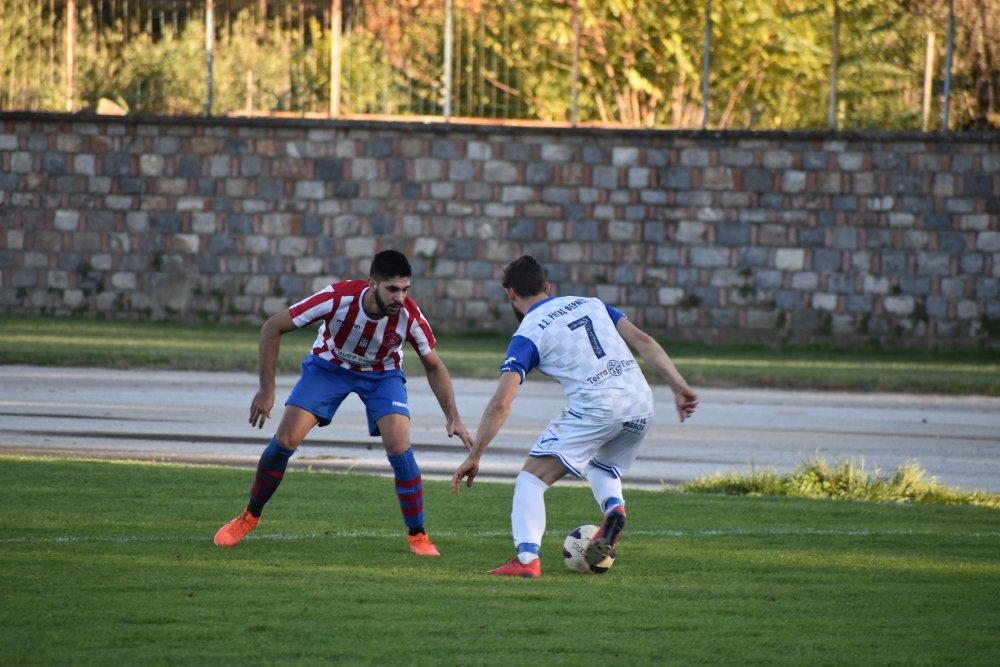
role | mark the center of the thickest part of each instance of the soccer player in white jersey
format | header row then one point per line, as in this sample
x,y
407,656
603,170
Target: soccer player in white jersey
x,y
363,325
585,345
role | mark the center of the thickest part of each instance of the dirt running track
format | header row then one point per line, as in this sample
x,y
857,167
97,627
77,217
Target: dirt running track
x,y
202,418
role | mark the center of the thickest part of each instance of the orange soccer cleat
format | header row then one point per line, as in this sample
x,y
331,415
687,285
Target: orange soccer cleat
x,y
234,531
421,545
515,568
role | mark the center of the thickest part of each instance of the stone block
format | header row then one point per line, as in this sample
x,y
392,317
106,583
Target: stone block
x,y
556,153
902,305
794,181
717,178
695,157
513,194
691,232
977,222
980,185
824,301
625,156
732,234
675,178
499,171
851,161
187,244
805,281
428,169
361,248
864,184
778,159
789,259
708,257
933,263
967,310
914,239
988,241
66,221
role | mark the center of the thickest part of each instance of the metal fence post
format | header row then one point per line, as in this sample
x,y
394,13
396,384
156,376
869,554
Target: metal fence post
x,y
447,58
575,108
831,105
209,40
336,25
706,58
947,64
70,53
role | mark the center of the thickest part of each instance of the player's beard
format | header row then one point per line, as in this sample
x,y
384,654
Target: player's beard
x,y
381,304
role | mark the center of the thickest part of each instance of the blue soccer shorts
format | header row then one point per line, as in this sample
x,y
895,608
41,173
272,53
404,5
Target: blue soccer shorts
x,y
323,386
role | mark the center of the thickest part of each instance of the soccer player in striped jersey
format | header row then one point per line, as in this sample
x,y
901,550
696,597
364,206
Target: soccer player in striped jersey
x,y
586,346
363,325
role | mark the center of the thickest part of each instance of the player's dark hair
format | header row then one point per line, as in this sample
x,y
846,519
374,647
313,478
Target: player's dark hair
x,y
525,276
390,264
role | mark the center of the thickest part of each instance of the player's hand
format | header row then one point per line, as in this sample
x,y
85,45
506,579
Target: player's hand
x,y
456,427
260,408
469,468
687,401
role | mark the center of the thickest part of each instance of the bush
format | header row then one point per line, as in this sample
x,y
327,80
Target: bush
x,y
847,479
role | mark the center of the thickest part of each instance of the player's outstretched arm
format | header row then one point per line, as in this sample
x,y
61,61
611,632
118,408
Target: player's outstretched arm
x,y
439,379
653,354
269,345
490,424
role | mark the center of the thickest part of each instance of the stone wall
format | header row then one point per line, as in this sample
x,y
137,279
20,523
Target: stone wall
x,y
711,236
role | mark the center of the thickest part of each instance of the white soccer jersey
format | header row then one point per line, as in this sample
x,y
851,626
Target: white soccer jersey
x,y
349,338
574,340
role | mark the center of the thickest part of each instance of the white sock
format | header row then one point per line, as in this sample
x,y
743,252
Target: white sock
x,y
527,515
525,557
605,487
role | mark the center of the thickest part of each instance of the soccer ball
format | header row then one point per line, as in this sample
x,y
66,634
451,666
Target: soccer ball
x,y
576,543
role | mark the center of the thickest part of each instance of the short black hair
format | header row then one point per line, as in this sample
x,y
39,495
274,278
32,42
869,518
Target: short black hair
x,y
390,264
525,276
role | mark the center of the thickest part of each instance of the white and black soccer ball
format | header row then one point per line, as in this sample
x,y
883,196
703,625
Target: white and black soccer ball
x,y
576,543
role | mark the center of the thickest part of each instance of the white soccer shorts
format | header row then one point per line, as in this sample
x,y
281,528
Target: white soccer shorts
x,y
576,442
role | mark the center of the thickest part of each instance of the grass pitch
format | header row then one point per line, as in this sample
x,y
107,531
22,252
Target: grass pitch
x,y
43,341
113,563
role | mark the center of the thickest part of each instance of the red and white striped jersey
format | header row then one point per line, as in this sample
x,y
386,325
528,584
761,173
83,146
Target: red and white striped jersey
x,y
349,338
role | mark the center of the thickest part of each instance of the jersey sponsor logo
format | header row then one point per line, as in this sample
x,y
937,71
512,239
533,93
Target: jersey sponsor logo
x,y
398,404
614,368
509,360
352,358
341,322
637,426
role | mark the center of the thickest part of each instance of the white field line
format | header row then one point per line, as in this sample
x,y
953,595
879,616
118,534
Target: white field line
x,y
384,534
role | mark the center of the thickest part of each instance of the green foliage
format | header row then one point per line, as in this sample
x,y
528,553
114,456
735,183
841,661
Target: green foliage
x,y
640,62
167,344
845,480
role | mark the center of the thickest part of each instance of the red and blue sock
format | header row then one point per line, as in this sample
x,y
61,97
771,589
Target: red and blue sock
x,y
409,489
270,471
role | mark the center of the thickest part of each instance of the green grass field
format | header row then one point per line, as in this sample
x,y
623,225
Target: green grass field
x,y
113,564
68,341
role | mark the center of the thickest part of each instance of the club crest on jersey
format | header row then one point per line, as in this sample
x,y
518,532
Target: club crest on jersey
x,y
392,339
